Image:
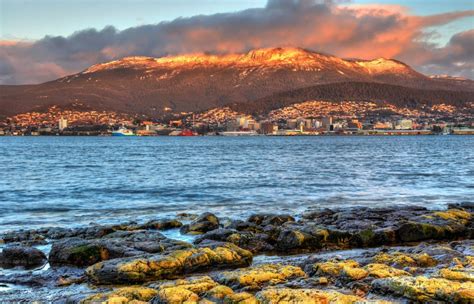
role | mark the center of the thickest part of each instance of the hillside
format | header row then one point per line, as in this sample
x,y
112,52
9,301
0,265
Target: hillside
x,y
359,91
152,86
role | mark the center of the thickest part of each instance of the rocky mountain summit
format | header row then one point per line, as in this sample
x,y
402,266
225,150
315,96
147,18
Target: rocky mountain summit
x,y
198,82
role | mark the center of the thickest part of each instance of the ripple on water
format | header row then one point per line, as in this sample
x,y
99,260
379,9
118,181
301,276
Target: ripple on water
x,y
61,181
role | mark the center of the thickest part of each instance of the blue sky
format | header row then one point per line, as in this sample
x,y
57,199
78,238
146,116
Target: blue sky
x,y
33,19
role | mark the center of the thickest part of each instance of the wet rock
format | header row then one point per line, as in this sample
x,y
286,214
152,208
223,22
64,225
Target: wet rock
x,y
307,296
28,257
163,266
295,239
255,278
81,252
161,224
204,223
270,219
254,242
240,225
134,294
425,289
400,259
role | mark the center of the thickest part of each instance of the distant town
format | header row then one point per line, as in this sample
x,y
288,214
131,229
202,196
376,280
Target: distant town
x,y
307,118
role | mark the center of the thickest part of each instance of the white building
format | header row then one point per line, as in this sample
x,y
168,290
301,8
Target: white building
x,y
62,123
404,124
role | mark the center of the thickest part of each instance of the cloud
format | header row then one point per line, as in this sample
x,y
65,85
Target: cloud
x,y
457,57
351,31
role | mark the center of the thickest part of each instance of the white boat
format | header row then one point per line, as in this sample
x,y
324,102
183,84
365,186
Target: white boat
x,y
239,133
123,132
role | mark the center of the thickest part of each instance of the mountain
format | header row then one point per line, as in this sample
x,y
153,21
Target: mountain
x,y
145,85
361,91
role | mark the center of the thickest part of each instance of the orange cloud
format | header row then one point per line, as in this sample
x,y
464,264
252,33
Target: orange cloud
x,y
356,31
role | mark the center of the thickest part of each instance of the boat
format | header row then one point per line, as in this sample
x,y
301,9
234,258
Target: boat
x,y
239,133
123,132
187,132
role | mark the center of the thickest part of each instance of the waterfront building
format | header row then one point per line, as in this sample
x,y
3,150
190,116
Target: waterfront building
x,y
404,124
326,122
62,123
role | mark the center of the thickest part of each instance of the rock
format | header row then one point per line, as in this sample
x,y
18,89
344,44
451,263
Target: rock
x,y
192,290
81,252
384,271
204,223
457,274
241,298
348,270
295,239
270,219
163,266
425,289
307,296
181,291
134,294
255,278
401,259
162,224
254,242
28,257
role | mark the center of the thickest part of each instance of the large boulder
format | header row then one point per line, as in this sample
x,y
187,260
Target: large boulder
x,y
204,223
270,219
28,257
165,266
85,252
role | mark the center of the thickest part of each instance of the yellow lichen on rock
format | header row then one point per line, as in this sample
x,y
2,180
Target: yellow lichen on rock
x,y
125,295
348,269
384,271
192,290
306,296
255,277
425,289
405,260
219,292
457,274
454,215
241,298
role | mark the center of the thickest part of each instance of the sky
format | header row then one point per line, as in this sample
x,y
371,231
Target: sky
x,y
42,40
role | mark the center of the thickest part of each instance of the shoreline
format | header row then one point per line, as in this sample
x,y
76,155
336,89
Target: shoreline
x,y
335,255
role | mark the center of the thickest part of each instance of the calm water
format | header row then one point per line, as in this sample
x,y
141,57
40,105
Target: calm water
x,y
64,181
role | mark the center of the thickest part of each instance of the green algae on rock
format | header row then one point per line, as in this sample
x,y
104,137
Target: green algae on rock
x,y
255,277
155,267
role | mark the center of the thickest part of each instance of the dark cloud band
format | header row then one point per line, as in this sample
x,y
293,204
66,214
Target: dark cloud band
x,y
325,26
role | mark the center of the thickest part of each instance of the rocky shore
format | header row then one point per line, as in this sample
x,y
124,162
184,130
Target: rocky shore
x,y
351,255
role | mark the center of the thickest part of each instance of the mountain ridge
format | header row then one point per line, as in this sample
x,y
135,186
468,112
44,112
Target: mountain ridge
x,y
197,82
